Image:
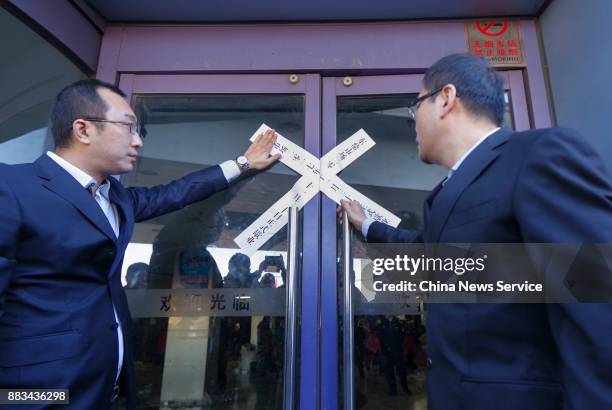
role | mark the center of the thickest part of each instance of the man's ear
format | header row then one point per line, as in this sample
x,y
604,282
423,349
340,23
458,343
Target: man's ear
x,y
81,130
448,94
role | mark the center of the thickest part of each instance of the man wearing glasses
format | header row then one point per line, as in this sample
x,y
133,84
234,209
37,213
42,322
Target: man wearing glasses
x,y
64,225
538,186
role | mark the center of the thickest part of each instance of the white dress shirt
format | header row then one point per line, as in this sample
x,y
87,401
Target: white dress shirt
x,y
230,171
366,224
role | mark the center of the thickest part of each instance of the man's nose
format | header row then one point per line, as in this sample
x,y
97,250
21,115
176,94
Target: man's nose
x,y
137,141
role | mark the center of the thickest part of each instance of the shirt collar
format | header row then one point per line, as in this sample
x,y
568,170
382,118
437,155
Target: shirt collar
x,y
104,188
455,167
81,176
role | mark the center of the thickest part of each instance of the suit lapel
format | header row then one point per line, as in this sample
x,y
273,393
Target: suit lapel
x,y
470,169
63,184
118,197
428,203
433,193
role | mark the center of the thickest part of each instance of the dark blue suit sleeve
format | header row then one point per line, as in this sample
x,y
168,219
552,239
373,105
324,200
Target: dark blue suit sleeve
x,y
10,217
159,200
382,233
564,195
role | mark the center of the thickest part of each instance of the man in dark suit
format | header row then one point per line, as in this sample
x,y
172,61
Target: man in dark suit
x,y
64,226
506,187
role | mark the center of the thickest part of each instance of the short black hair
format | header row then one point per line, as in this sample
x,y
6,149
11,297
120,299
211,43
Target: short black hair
x,y
479,86
77,100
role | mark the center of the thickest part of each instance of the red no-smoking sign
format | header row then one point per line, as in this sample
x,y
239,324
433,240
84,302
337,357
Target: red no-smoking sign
x,y
492,28
496,40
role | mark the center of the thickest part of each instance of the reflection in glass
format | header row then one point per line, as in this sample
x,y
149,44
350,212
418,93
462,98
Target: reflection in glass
x,y
232,356
28,89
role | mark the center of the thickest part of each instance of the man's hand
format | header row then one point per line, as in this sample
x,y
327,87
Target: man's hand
x,y
258,152
355,212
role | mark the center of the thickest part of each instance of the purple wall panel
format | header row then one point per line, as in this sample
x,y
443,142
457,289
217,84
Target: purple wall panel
x,y
357,48
536,87
361,46
126,84
109,55
218,83
516,85
380,84
63,21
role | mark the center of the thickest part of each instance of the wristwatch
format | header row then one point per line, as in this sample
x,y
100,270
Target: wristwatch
x,y
243,163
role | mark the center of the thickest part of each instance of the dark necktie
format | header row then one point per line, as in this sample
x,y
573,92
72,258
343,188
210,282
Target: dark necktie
x,y
435,192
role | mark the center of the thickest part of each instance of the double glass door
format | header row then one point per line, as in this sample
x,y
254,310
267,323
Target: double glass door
x,y
217,326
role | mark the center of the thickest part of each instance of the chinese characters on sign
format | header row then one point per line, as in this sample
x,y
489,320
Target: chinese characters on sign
x,y
206,302
165,302
497,40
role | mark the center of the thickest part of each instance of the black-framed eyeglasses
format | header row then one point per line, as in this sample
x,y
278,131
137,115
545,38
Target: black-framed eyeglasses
x,y
416,104
134,127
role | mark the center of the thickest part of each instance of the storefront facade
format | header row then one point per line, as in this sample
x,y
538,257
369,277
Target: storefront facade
x,y
215,325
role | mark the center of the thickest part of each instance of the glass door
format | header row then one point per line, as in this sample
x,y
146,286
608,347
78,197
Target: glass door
x,y
218,327
214,325
374,355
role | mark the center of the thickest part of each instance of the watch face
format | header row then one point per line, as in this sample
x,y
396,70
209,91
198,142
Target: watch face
x,y
243,162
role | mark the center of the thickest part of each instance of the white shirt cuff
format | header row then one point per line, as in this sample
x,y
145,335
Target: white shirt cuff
x,y
366,226
230,170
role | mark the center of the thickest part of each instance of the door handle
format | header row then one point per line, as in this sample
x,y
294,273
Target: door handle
x,y
291,288
347,315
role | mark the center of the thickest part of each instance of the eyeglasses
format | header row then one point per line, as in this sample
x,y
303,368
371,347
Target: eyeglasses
x,y
415,106
134,127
